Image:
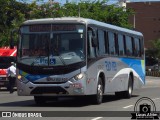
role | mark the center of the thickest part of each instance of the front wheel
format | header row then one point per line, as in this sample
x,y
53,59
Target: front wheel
x,y
99,96
39,100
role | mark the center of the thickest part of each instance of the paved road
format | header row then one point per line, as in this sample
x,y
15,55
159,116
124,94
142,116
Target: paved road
x,y
12,102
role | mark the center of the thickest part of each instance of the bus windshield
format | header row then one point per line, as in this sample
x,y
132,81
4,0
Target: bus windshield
x,y
52,48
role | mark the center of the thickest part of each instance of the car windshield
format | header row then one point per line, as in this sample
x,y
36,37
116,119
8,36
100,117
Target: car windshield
x,y
53,49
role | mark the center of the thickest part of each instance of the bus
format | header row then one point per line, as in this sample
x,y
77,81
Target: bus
x,y
7,55
73,56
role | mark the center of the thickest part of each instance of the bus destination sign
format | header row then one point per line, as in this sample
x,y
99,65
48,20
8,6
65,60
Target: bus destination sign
x,y
47,28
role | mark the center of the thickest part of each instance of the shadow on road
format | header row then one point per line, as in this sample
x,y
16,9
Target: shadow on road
x,y
62,102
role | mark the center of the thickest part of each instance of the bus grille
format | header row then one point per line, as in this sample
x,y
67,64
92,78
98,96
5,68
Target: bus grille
x,y
49,90
48,82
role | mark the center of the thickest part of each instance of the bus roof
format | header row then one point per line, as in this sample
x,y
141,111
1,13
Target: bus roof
x,y
80,20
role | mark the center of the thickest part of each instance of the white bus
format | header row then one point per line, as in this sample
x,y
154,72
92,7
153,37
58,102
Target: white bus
x,y
78,57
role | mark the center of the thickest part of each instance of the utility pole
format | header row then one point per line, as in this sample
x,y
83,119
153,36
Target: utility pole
x,y
51,3
79,11
134,21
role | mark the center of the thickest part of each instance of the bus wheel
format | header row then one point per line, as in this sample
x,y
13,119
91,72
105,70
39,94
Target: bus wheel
x,y
128,93
99,96
39,100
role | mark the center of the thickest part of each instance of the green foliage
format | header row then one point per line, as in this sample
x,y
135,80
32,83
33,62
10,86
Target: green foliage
x,y
14,12
155,50
118,16
45,10
99,11
156,45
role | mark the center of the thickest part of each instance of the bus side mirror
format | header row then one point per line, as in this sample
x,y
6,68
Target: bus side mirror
x,y
94,39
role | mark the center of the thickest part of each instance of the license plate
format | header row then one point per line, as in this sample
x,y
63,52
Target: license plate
x,y
51,79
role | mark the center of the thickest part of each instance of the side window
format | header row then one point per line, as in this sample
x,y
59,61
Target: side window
x,y
106,43
129,49
141,47
121,44
133,46
137,47
116,43
111,43
91,50
101,42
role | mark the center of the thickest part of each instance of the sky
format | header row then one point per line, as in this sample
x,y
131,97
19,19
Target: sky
x,y
63,1
114,1
110,1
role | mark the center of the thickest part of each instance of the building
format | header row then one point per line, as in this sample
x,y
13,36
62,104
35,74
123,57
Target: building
x,y
146,20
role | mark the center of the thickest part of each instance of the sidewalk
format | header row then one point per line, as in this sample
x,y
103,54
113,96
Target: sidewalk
x,y
152,77
5,89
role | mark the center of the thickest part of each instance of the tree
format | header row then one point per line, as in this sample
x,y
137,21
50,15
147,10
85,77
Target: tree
x,y
9,19
156,46
117,16
97,9
46,10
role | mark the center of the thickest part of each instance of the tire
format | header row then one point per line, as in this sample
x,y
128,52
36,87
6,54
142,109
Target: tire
x,y
128,93
39,100
99,96
119,94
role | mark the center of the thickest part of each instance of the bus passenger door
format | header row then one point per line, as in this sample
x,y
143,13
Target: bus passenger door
x,y
91,64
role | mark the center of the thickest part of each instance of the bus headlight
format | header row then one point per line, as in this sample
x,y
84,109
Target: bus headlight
x,y
22,79
79,76
19,77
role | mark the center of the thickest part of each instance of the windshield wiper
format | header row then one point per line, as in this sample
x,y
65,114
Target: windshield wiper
x,y
62,59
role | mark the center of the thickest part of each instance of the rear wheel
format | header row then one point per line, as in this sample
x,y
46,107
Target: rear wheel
x,y
128,93
99,96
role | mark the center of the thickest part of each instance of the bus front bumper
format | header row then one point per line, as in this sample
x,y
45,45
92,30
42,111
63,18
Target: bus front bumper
x,y
66,89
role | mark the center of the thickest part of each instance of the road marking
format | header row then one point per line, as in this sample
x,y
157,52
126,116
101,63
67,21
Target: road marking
x,y
128,106
96,118
156,99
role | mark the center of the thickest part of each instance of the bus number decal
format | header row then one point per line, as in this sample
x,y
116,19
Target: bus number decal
x,y
111,66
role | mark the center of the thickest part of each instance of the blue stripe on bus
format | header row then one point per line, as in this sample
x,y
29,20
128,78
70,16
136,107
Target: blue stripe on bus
x,y
31,77
136,65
